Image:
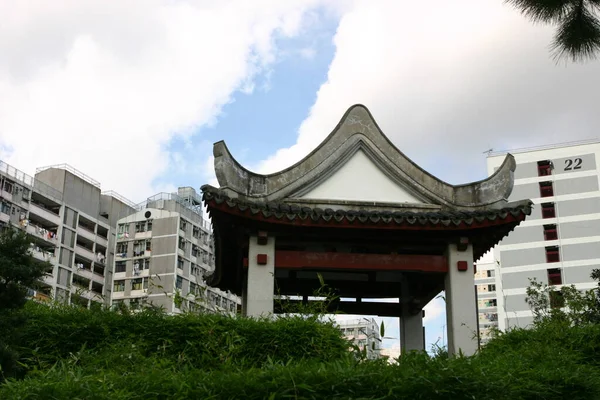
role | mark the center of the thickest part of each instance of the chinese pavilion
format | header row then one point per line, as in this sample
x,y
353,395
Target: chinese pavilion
x,y
366,218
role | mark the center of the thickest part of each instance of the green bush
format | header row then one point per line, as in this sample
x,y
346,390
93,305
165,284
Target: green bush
x,y
75,354
204,341
581,342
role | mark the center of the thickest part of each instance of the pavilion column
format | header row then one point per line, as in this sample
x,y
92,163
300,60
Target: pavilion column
x,y
257,298
461,313
411,326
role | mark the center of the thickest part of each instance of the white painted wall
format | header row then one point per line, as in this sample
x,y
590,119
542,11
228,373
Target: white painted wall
x,y
360,179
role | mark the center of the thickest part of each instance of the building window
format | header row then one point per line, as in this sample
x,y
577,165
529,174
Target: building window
x,y
148,245
120,266
149,226
557,300
145,264
490,273
119,286
137,284
491,303
196,270
550,232
546,189
554,276
183,224
552,254
182,243
122,248
179,262
544,168
548,210
8,187
138,248
491,288
123,228
179,282
140,227
196,232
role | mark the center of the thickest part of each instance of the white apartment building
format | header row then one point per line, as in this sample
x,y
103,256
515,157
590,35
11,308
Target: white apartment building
x,y
559,244
364,333
73,226
69,222
163,252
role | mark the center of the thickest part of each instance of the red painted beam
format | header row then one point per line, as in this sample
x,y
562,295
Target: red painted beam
x,y
387,262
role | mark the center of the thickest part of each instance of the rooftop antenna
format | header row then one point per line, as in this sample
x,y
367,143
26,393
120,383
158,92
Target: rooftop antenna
x,y
489,151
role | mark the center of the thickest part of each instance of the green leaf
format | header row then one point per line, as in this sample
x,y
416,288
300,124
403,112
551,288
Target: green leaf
x,y
578,35
543,10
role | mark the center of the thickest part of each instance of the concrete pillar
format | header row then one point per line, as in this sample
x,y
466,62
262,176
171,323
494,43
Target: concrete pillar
x,y
461,313
260,284
411,326
411,332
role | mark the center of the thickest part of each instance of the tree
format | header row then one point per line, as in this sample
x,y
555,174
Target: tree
x,y
568,305
578,26
19,271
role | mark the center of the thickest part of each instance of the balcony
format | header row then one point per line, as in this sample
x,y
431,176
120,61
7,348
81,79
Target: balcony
x,y
86,273
6,195
123,236
143,235
48,279
42,255
42,233
84,252
44,213
81,231
488,319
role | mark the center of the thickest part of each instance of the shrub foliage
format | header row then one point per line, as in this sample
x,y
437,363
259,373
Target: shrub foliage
x,y
69,353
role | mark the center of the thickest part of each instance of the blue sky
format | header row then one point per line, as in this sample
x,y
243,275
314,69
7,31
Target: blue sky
x,y
134,93
254,125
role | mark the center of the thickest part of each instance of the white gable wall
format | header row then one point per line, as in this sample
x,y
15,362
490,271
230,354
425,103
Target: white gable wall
x,y
360,179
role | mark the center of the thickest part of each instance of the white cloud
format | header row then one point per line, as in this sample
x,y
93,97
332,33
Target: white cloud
x,y
105,86
448,80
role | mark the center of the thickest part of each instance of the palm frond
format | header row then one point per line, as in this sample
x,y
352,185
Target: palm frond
x,y
543,10
578,35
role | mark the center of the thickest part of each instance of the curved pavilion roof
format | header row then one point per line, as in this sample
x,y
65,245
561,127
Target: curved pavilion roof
x,y
430,209
358,131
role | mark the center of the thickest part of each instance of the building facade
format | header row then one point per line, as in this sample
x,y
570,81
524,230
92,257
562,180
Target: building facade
x,y
163,252
77,228
69,222
487,302
559,244
363,333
